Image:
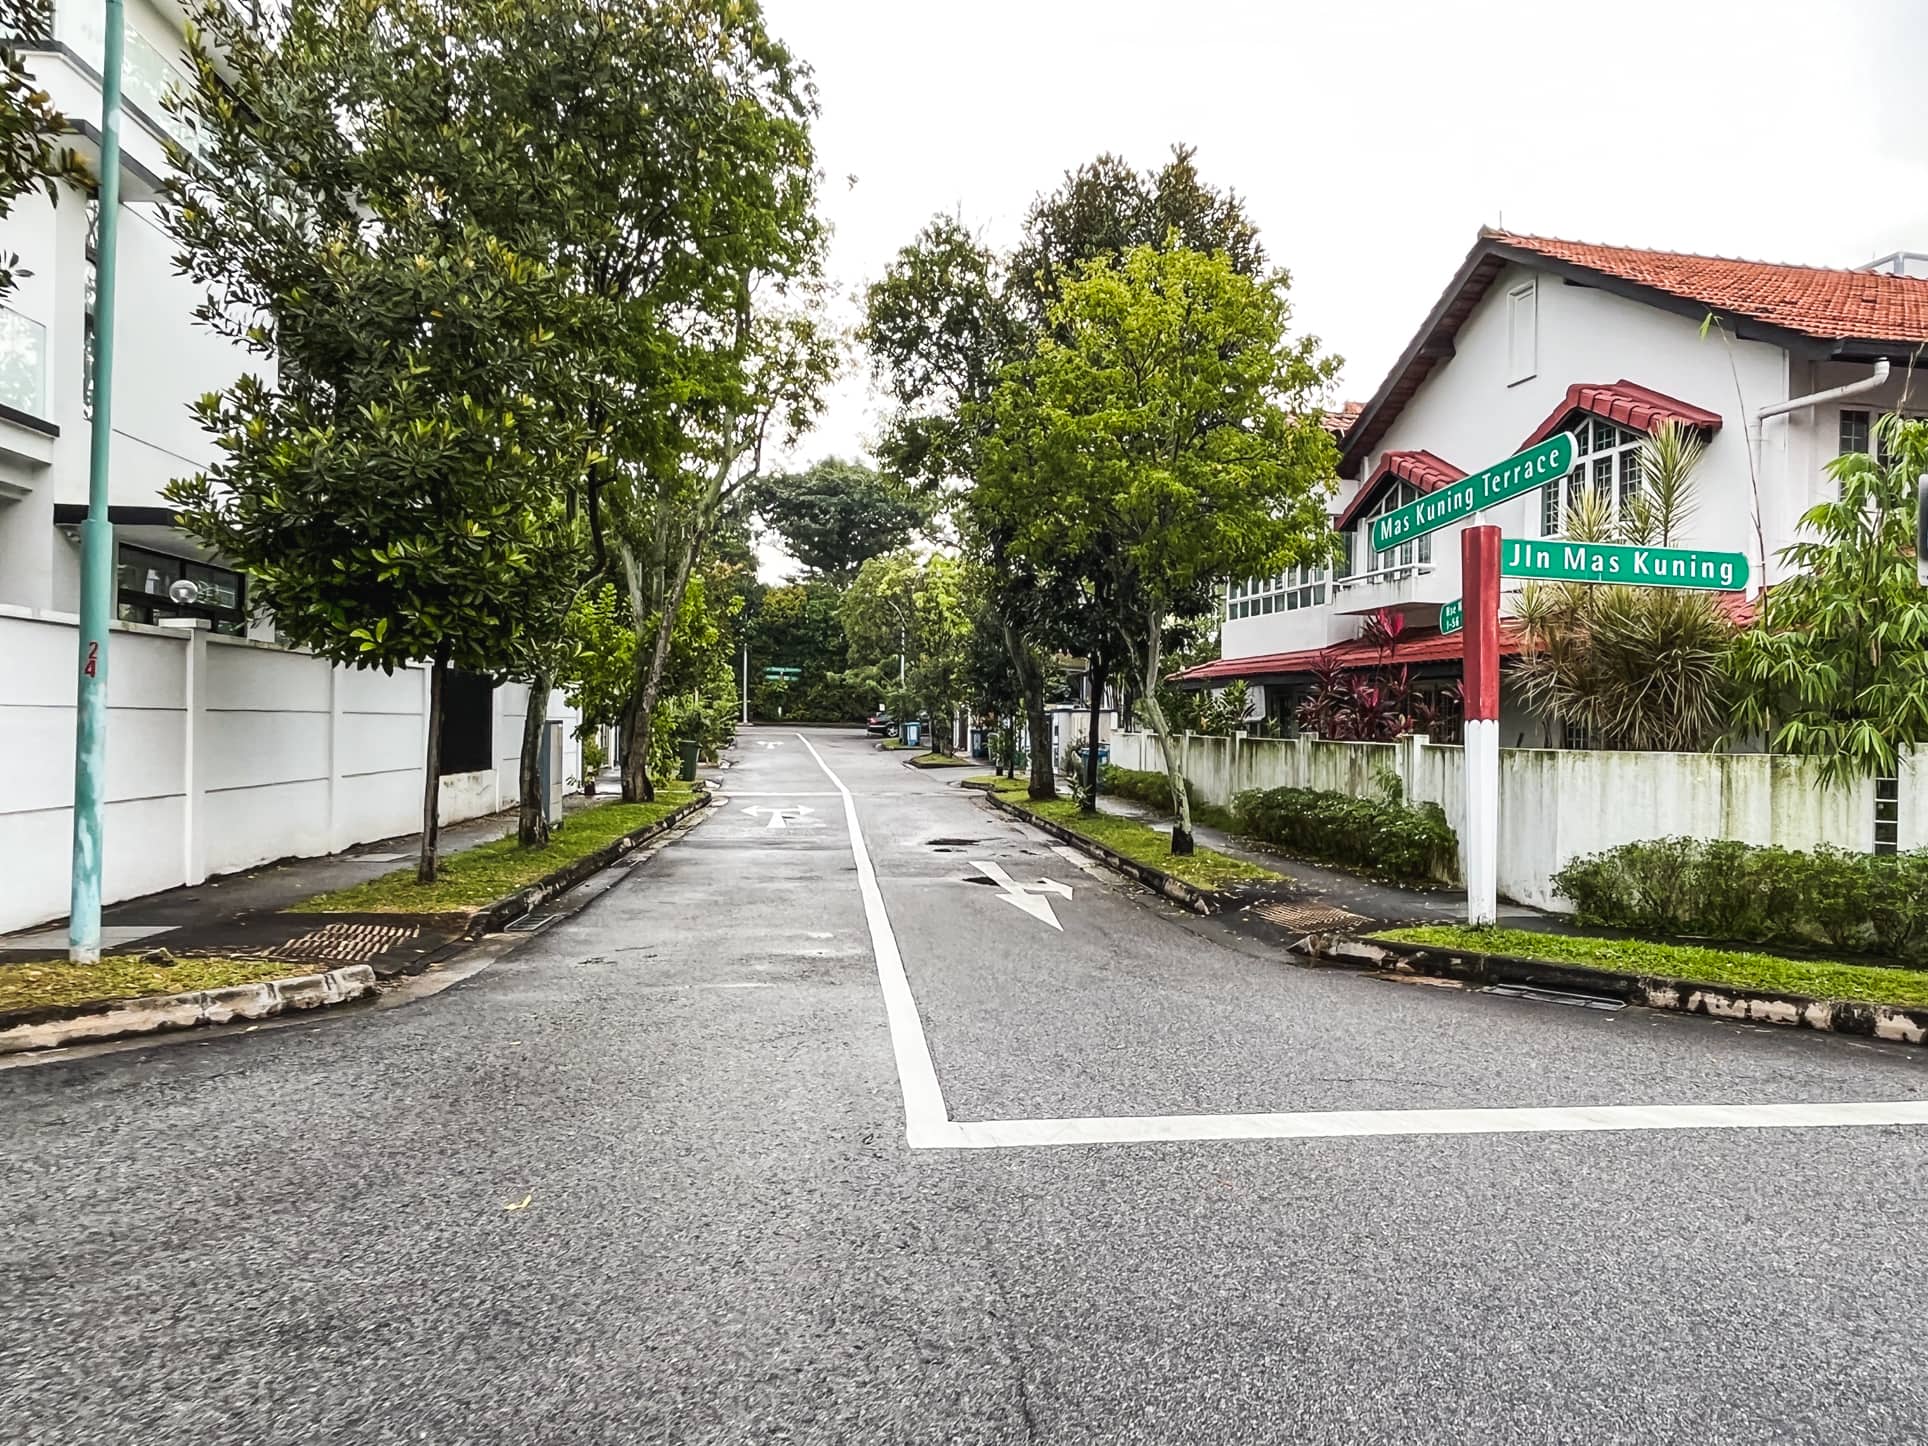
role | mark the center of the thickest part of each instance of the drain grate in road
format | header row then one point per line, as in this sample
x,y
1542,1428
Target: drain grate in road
x,y
1556,996
340,943
530,923
1309,918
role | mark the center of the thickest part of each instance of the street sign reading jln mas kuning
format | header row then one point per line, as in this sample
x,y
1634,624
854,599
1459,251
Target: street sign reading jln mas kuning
x,y
1615,562
1543,462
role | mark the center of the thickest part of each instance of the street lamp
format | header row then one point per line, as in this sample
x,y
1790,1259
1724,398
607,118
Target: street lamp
x,y
97,533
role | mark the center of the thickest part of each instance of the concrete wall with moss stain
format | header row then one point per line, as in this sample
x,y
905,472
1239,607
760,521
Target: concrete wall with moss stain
x,y
1557,805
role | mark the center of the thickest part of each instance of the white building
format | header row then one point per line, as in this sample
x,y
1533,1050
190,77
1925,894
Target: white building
x,y
1534,335
224,749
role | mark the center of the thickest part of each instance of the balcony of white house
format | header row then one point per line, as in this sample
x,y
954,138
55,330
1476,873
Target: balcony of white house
x,y
26,437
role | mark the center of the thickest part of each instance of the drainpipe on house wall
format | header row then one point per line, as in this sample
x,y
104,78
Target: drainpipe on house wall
x,y
1872,382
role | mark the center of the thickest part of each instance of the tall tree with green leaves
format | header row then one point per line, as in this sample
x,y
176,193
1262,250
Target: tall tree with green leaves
x,y
1178,421
1100,211
900,605
941,325
835,515
393,485
1836,667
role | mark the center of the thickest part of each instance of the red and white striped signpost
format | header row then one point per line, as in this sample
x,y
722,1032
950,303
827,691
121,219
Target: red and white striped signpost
x,y
1479,566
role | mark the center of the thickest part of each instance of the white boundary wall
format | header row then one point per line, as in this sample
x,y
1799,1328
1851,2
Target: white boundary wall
x,y
1559,804
222,753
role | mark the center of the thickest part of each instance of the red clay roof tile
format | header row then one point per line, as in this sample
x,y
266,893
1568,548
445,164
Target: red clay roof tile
x,y
1627,403
1818,301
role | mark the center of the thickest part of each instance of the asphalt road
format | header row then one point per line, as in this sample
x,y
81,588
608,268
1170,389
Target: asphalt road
x,y
301,1235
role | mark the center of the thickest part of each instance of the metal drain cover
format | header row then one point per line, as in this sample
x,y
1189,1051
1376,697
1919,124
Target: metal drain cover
x,y
345,943
1555,996
1309,918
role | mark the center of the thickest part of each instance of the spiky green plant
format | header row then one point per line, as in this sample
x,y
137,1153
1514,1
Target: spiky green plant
x,y
1638,668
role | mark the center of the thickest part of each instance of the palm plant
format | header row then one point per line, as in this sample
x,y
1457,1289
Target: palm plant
x,y
1638,668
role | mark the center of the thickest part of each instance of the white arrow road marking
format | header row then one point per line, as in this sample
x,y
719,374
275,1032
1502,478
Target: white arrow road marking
x,y
781,817
1026,896
763,743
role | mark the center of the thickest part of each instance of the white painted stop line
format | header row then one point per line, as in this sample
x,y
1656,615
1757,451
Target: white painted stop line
x,y
928,1125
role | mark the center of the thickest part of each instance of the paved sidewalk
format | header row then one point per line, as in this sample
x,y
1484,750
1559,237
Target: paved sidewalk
x,y
1337,888
202,910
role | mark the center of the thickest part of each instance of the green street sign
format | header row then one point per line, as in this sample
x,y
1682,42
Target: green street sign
x,y
1538,465
1452,617
1616,563
773,675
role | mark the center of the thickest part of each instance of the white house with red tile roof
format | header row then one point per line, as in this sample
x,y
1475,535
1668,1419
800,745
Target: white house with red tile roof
x,y
1534,335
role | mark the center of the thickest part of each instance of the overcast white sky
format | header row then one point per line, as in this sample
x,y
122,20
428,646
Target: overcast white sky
x,y
1372,138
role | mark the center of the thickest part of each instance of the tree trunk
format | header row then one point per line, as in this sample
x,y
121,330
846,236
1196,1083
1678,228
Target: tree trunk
x,y
432,785
635,759
532,816
1096,677
1168,750
1044,778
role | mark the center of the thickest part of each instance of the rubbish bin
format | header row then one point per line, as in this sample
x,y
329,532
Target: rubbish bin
x,y
979,748
691,749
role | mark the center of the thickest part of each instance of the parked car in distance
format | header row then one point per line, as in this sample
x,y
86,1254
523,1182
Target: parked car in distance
x,y
879,724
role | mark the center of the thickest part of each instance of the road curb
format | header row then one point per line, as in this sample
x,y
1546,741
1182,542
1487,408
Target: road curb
x,y
1189,896
119,1018
1895,1023
492,918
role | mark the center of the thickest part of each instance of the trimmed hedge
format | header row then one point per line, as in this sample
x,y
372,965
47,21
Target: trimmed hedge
x,y
1154,791
1385,836
1874,904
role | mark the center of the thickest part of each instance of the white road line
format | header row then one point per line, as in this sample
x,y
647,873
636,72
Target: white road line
x,y
776,793
926,1122
1347,1124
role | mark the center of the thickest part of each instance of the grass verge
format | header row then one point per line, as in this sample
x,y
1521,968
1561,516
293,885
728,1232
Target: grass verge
x,y
124,976
1869,984
1205,869
941,760
479,876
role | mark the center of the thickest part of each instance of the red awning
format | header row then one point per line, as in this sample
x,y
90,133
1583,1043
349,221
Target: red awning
x,y
1623,402
1424,470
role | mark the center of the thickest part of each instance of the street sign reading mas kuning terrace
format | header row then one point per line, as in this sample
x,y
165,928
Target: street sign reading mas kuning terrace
x,y
1543,462
1616,563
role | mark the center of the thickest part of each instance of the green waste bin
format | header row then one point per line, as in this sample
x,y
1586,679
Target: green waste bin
x,y
691,748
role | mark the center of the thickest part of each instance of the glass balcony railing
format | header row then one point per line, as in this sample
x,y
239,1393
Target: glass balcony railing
x,y
23,363
148,77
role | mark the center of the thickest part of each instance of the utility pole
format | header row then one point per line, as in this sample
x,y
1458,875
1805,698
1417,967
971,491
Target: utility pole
x,y
97,533
746,680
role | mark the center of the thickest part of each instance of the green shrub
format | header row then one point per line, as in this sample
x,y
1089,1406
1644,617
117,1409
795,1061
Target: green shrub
x,y
1154,790
1724,889
1384,834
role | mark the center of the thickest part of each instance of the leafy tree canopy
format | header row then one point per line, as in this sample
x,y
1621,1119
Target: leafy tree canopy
x,y
837,514
1169,428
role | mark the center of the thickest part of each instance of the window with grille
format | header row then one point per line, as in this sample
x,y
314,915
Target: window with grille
x,y
1857,427
1607,461
1887,815
1410,552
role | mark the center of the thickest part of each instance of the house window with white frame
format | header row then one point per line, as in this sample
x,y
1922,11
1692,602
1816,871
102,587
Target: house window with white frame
x,y
1414,550
1606,461
1302,587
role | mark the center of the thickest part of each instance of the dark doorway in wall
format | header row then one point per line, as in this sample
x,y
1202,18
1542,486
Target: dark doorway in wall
x,y
468,723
